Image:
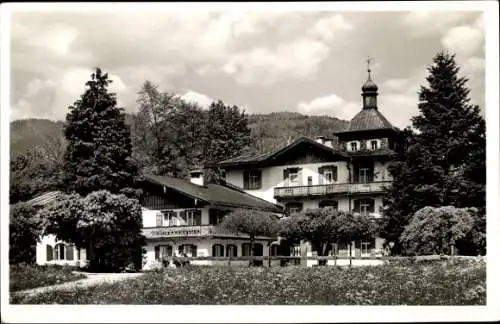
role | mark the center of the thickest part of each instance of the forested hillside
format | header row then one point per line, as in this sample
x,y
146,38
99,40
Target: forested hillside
x,y
269,131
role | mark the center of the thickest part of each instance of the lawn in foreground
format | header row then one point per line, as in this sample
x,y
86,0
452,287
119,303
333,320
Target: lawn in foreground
x,y
25,276
435,283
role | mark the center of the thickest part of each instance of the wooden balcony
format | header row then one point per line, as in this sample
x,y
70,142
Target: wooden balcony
x,y
192,232
336,188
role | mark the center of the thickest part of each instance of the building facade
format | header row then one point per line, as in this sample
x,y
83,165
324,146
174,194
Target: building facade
x,y
179,218
347,171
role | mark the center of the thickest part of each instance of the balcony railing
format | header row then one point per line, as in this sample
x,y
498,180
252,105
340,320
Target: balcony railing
x,y
190,231
322,190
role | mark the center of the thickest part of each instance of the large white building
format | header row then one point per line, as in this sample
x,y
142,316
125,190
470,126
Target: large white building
x,y
347,171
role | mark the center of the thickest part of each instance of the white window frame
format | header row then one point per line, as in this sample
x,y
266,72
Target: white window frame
x,y
295,175
366,248
350,145
188,249
164,251
364,207
363,176
254,179
168,218
377,145
57,252
219,248
190,218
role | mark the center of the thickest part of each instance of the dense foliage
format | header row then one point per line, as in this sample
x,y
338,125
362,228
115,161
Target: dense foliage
x,y
23,276
442,162
324,226
252,223
98,155
435,230
108,226
24,232
437,283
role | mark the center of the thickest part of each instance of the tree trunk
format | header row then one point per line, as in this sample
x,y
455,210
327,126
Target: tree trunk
x,y
322,252
350,254
269,254
252,250
335,251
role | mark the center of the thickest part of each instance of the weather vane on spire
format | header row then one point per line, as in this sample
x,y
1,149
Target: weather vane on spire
x,y
368,61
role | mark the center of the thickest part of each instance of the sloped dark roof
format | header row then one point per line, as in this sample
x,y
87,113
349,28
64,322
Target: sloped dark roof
x,y
252,158
43,199
214,193
368,119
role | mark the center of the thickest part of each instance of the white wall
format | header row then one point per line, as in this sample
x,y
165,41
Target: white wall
x,y
41,253
273,177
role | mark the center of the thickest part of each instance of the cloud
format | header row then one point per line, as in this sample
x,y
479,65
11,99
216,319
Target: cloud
x,y
465,40
299,59
38,93
331,105
426,23
326,28
203,100
396,84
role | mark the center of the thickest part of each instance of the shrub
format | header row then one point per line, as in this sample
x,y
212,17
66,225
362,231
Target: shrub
x,y
435,230
25,230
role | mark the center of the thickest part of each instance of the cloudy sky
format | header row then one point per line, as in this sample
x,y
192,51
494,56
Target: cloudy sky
x,y
307,62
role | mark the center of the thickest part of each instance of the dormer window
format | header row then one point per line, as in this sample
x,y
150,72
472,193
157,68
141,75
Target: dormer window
x,y
353,146
374,144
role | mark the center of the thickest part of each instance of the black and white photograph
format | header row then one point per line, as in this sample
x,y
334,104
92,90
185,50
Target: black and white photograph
x,y
226,161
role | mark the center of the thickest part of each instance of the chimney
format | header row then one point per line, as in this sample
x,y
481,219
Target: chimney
x,y
320,139
196,177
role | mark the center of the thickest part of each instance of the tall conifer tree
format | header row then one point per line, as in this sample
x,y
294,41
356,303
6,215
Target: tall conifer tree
x,y
98,155
443,160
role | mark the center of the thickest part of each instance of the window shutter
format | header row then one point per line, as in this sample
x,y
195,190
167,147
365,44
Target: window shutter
x,y
159,217
157,252
170,250
260,179
372,206
285,177
181,248
194,250
370,174
356,173
50,253
212,216
69,253
334,172
357,206
357,244
213,250
321,171
246,180
197,217
372,243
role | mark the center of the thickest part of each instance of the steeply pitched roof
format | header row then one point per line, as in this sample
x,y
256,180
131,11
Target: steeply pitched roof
x,y
368,119
43,199
214,193
261,157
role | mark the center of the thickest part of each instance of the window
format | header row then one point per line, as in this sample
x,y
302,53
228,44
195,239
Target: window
x,y
217,250
59,251
169,218
374,144
353,146
328,177
191,218
252,180
294,177
166,251
365,206
258,249
365,248
215,216
245,249
231,250
292,208
309,181
329,204
188,249
364,174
